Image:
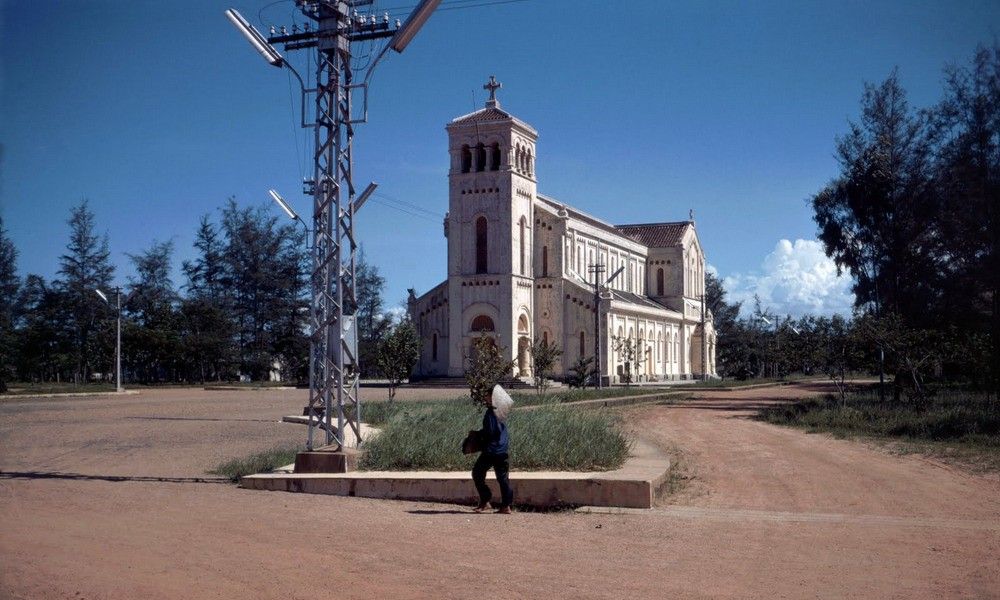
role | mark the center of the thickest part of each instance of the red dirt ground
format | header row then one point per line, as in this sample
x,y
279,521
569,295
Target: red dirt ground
x,y
108,498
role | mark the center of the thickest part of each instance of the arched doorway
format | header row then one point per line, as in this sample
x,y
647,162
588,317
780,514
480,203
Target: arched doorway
x,y
523,347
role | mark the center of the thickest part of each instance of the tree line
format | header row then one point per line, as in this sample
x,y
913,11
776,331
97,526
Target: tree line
x,y
914,217
242,311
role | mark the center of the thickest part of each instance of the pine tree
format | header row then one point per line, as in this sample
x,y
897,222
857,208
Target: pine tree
x,y
85,267
9,286
154,336
207,328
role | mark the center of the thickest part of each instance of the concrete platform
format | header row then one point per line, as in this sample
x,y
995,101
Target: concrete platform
x,y
632,486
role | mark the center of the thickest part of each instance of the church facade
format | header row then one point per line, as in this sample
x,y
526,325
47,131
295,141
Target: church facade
x,y
521,267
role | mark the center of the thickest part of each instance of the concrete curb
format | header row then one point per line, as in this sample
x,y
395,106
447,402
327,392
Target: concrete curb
x,y
632,486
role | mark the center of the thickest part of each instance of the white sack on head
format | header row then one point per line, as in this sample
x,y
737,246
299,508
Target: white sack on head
x,y
502,402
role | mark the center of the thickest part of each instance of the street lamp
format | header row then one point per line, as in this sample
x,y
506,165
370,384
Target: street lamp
x,y
597,270
404,35
255,38
118,334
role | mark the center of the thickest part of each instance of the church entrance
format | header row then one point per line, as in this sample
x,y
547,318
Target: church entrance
x,y
523,347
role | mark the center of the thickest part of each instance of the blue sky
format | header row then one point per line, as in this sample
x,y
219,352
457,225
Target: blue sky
x,y
159,111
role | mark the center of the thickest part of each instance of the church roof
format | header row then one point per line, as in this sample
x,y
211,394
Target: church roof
x,y
488,115
483,115
656,235
636,299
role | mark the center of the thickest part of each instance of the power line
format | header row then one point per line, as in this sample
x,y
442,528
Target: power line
x,y
409,205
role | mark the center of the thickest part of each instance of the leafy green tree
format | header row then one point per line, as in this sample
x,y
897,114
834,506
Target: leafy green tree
x,y
582,372
154,331
487,366
725,318
207,326
967,127
397,354
875,218
837,351
10,284
264,284
85,267
373,322
45,336
544,355
630,355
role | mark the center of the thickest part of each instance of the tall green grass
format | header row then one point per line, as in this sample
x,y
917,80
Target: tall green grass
x,y
424,436
957,416
261,462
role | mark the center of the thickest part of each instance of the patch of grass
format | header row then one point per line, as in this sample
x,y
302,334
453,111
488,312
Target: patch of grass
x,y
260,462
967,422
424,436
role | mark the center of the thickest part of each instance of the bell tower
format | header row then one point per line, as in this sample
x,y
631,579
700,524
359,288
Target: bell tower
x,y
489,227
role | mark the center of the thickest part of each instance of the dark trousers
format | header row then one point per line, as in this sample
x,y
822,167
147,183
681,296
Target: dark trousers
x,y
501,466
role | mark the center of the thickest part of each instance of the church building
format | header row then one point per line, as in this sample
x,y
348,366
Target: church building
x,y
521,266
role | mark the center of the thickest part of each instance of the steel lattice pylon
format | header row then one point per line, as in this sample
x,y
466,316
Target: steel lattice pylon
x,y
333,355
333,361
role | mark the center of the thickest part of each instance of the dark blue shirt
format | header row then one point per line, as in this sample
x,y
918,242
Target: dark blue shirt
x,y
494,434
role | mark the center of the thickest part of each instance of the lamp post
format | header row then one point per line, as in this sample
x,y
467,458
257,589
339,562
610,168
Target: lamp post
x,y
118,334
332,27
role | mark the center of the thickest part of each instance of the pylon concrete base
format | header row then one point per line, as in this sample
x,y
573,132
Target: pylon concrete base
x,y
330,459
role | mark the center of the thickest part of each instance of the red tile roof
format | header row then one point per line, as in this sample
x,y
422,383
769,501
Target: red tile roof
x,y
656,235
483,116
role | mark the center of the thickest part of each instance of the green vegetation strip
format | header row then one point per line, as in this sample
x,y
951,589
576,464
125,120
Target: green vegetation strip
x,y
970,420
427,436
262,462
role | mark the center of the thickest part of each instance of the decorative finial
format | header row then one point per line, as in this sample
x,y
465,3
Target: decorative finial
x,y
493,85
691,215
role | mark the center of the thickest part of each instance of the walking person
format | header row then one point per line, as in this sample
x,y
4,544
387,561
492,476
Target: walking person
x,y
495,452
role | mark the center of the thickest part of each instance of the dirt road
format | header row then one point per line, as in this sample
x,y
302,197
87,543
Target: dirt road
x,y
108,498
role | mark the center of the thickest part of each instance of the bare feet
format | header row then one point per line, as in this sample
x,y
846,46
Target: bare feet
x,y
485,506
504,510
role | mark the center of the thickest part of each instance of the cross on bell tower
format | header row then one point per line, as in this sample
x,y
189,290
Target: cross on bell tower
x,y
493,85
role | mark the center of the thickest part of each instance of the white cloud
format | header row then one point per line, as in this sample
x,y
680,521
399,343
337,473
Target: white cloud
x,y
795,279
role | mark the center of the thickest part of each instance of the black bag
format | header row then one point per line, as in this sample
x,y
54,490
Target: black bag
x,y
473,442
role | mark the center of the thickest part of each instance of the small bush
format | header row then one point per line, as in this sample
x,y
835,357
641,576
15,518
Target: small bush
x,y
427,437
260,462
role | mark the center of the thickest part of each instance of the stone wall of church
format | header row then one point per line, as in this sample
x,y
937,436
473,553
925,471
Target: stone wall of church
x,y
429,314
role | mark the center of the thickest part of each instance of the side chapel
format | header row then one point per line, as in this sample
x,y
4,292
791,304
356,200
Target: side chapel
x,y
521,266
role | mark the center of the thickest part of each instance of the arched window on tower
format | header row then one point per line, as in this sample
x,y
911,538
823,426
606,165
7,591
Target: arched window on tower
x,y
466,159
482,323
521,236
434,347
517,158
495,155
529,164
480,157
583,344
545,261
481,244
659,282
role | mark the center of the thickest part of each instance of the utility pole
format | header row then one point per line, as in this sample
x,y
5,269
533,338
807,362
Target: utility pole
x,y
331,27
598,270
118,342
